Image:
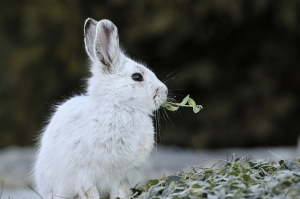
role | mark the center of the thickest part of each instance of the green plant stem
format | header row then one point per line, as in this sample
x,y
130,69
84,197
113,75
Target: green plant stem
x,y
178,104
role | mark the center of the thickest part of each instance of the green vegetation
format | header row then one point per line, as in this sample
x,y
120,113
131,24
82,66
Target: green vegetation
x,y
238,178
186,102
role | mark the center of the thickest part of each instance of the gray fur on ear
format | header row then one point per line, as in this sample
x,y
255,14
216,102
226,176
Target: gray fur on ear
x,y
107,48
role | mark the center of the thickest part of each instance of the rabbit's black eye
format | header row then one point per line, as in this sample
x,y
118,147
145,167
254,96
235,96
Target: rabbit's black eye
x,y
137,77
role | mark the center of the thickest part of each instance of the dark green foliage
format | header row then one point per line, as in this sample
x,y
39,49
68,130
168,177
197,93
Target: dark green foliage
x,y
239,59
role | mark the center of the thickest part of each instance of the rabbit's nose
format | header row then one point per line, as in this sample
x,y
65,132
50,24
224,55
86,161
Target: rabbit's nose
x,y
166,92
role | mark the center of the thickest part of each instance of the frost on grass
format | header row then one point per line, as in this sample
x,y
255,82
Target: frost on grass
x,y
238,178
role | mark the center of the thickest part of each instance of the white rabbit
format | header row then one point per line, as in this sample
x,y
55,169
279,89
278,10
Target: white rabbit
x,y
95,144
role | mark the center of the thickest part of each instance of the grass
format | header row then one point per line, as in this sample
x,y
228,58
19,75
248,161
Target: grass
x,y
237,178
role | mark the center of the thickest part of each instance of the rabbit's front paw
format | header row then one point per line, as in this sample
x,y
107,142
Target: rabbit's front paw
x,y
88,193
121,192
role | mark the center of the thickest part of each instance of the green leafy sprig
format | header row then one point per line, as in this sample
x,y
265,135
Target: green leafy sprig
x,y
186,102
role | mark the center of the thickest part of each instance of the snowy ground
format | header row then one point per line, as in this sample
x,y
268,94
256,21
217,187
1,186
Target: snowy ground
x,y
15,164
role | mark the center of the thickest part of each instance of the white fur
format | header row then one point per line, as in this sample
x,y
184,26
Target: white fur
x,y
95,144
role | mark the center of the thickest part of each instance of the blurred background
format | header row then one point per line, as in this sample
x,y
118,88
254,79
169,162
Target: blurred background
x,y
239,59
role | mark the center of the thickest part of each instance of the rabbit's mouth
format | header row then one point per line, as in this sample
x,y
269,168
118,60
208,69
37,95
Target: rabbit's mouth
x,y
155,95
160,97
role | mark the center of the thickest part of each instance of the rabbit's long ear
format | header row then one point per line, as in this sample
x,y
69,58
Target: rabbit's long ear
x,y
107,48
89,37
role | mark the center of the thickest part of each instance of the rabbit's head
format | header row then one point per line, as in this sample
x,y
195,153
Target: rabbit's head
x,y
115,77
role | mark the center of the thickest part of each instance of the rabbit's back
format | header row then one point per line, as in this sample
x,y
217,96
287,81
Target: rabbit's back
x,y
55,157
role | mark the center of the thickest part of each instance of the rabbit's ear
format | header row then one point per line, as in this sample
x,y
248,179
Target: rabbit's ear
x,y
89,37
107,48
